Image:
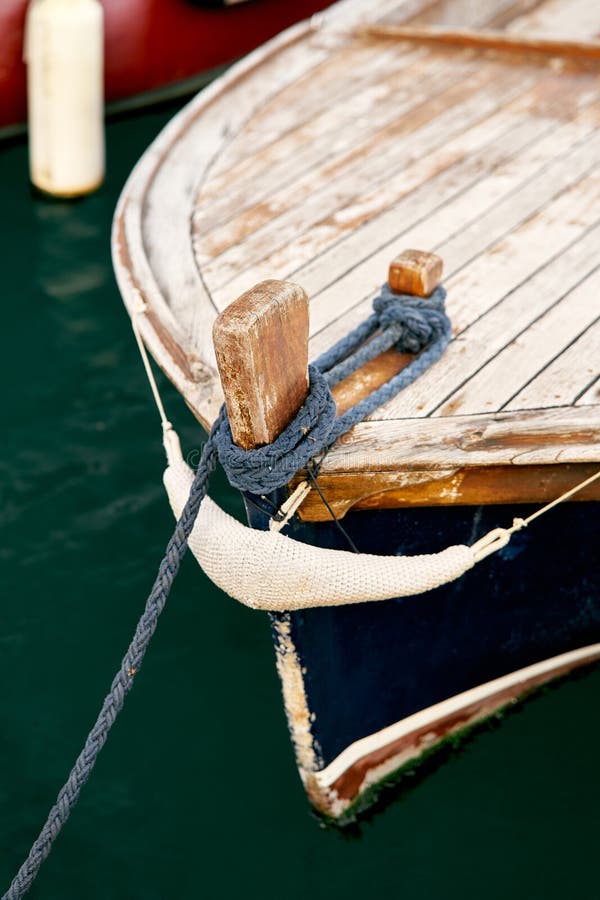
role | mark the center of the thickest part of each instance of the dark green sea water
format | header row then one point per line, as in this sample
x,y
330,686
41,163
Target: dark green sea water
x,y
196,794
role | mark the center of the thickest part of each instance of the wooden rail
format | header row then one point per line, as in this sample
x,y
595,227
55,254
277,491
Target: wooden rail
x,y
484,40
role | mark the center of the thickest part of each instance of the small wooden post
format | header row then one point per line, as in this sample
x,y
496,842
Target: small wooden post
x,y
415,272
411,272
261,345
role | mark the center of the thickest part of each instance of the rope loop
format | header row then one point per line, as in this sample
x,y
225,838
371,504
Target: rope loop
x,y
414,324
417,325
418,321
274,465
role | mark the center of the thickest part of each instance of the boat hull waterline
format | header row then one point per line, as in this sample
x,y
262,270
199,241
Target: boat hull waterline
x,y
317,159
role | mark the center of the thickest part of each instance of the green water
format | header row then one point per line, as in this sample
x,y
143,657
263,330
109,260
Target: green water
x,y
196,793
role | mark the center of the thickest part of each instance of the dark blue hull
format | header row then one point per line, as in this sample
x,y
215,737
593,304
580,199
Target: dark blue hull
x,y
366,667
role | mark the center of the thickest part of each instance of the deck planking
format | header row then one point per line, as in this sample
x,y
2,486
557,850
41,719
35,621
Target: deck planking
x,y
299,152
514,313
385,141
367,227
577,19
568,375
500,381
422,130
504,259
592,396
503,268
320,157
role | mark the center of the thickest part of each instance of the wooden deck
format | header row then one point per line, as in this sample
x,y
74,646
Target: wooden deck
x,y
325,153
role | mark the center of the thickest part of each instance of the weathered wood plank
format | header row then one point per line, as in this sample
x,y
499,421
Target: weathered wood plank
x,y
465,13
497,272
575,19
346,70
506,12
570,374
417,129
428,184
568,434
340,245
276,195
466,487
466,299
487,336
351,12
591,396
305,146
490,333
457,133
502,378
507,457
381,150
526,194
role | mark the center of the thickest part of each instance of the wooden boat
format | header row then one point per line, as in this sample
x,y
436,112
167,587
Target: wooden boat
x,y
470,130
151,45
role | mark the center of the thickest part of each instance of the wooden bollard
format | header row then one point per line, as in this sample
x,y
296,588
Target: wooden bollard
x,y
261,345
415,272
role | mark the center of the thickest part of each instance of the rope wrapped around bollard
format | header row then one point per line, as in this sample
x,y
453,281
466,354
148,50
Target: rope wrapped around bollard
x,y
411,324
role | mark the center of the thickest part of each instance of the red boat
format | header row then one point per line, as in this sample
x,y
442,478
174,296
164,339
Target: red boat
x,y
152,44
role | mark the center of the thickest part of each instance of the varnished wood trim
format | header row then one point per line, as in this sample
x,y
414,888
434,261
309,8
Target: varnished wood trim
x,y
540,436
442,487
485,40
193,375
367,761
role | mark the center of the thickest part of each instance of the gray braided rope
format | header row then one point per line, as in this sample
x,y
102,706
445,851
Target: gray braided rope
x,y
123,680
412,324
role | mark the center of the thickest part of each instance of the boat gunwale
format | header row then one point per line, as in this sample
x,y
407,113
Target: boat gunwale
x,y
194,374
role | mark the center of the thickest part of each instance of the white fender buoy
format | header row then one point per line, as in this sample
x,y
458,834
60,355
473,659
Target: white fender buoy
x,y
65,90
266,570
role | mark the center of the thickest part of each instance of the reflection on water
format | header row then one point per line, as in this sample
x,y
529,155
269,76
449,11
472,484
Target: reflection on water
x,y
63,235
196,794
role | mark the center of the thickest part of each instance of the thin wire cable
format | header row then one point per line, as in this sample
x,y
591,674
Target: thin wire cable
x,y
166,424
562,498
338,524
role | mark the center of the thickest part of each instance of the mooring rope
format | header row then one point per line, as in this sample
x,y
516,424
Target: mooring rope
x,y
412,324
122,682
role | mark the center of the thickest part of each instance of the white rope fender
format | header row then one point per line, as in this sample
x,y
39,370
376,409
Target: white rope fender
x,y
266,570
